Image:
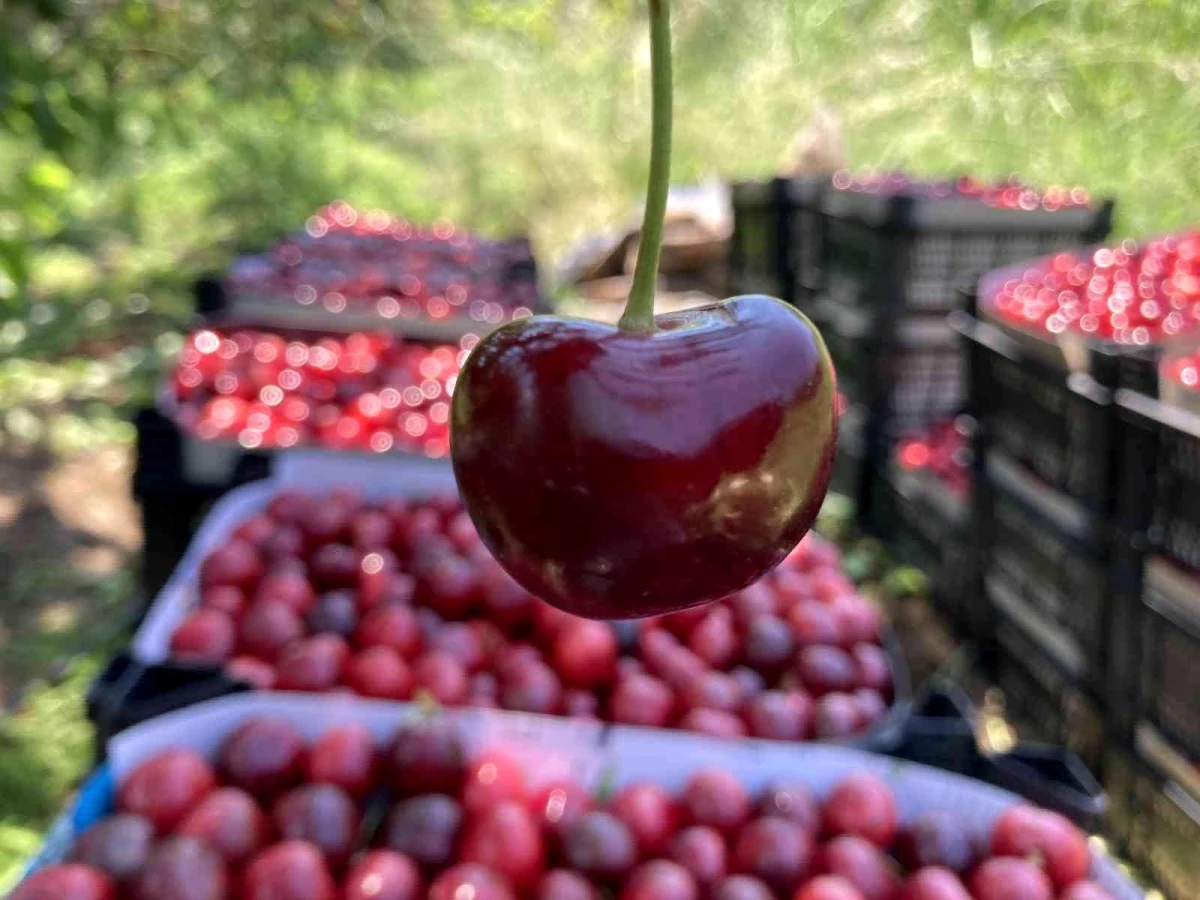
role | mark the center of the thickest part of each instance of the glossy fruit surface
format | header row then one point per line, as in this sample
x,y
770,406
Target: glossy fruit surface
x,y
666,470
117,846
70,881
163,788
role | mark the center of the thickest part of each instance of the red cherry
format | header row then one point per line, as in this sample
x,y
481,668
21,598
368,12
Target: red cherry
x,y
336,612
714,639
383,875
713,722
1086,890
584,653
344,757
183,868
828,887
230,822
937,839
425,828
862,864
164,787
506,840
601,846
384,587
450,587
335,566
871,705
1007,878
650,813
769,644
258,674
314,664
379,672
719,467
116,846
224,598
861,804
390,626
660,879
641,700
205,636
558,804
371,530
713,690
70,881
236,563
442,678
715,798
872,667
742,887
837,715
794,801
462,643
492,779
825,669
859,619
1027,832
321,814
289,870
289,587
750,603
780,715
563,884
531,687
469,880
505,602
776,851
579,704
814,624
267,628
701,851
934,883
264,757
427,758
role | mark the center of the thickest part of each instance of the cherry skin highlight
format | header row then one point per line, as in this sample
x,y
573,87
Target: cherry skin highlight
x,y
620,474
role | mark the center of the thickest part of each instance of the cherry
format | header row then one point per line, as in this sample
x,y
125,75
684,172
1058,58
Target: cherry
x,y
163,788
558,804
462,643
425,828
742,887
714,640
371,530
563,884
258,674
584,653
224,598
285,542
750,603
701,851
116,846
715,798
230,822
287,586
492,779
870,703
828,887
469,880
70,881
289,870
872,667
506,839
862,864
769,644
383,875
861,804
236,563
823,669
205,636
390,626
641,700
379,672
814,624
264,757
660,879
751,682
1007,878
442,678
312,664
713,722
776,851
335,612
335,566
531,687
449,587
504,601
858,619
934,883
780,715
713,690
323,815
1086,890
579,704
601,846
939,839
837,715
182,868
344,757
1028,832
384,587
650,813
427,758
267,628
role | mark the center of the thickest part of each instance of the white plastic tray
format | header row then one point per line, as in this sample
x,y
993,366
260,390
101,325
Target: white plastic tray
x,y
312,470
588,752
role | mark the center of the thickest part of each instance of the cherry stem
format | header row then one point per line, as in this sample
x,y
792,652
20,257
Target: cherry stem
x,y
639,308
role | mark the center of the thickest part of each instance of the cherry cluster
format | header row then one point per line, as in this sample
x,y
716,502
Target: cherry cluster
x,y
369,392
401,600
1007,194
943,450
1183,370
1135,294
277,819
374,261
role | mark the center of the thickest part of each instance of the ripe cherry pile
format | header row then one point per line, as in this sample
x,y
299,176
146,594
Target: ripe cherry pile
x,y
1008,194
276,819
1183,370
944,451
400,600
1135,294
374,261
369,392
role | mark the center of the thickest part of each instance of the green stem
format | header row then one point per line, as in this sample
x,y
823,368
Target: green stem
x,y
639,309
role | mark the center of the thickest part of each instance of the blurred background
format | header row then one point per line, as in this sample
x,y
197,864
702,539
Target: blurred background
x,y
144,143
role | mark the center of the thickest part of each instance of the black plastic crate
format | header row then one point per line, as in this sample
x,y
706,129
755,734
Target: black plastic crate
x,y
776,240
1057,424
1170,657
1154,816
912,253
1044,702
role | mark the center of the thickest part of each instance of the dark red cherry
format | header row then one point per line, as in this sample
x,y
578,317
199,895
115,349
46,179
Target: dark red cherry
x,y
619,474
